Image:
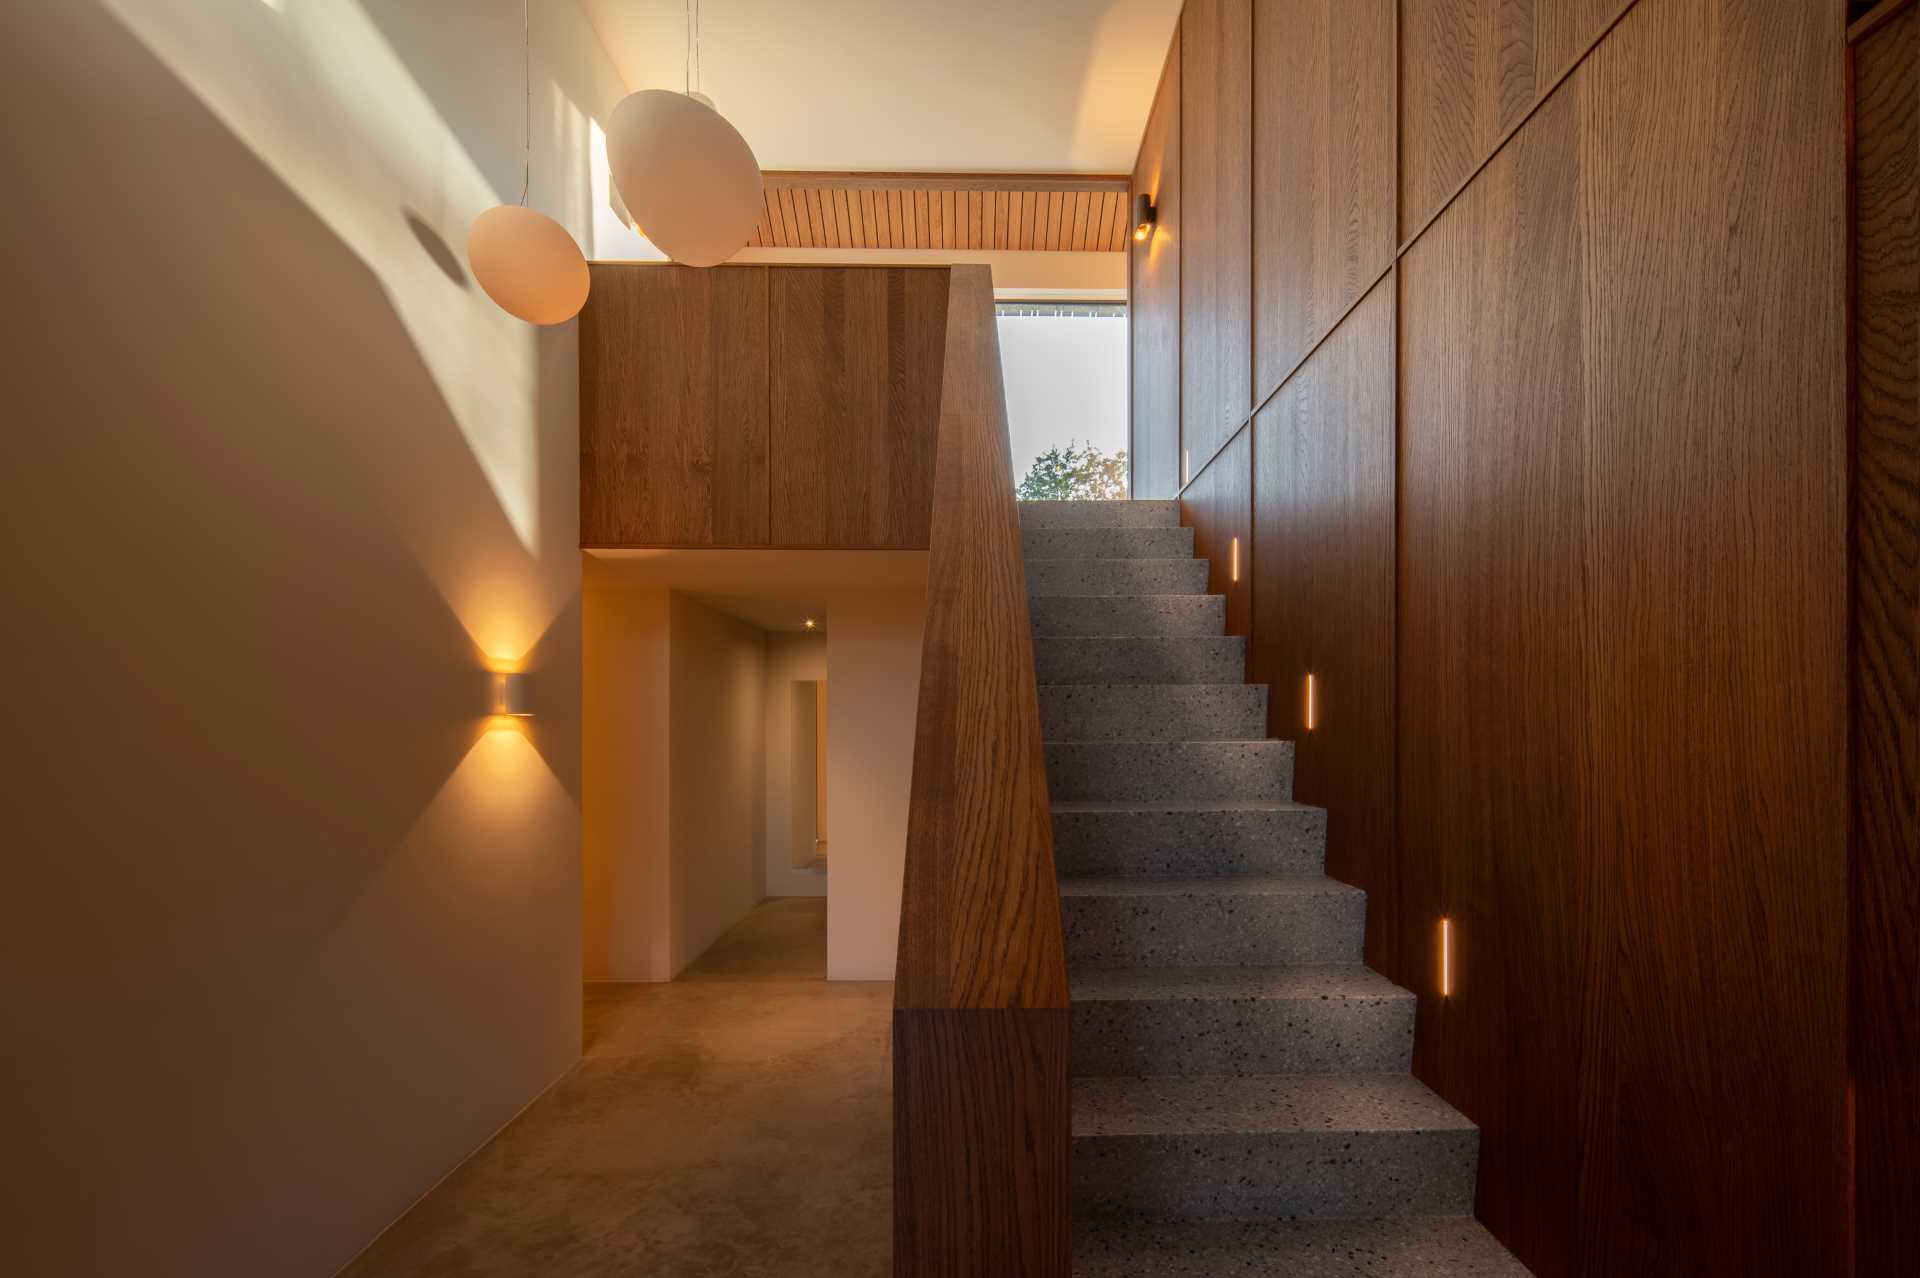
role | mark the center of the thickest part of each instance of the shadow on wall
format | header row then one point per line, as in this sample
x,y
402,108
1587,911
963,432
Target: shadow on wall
x,y
302,931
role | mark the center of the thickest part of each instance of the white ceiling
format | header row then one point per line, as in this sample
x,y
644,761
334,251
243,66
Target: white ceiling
x,y
958,85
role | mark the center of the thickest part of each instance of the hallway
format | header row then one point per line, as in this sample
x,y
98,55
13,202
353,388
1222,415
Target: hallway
x,y
732,1121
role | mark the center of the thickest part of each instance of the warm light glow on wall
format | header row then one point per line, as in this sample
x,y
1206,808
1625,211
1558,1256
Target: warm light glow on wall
x,y
1311,707
1446,958
1236,559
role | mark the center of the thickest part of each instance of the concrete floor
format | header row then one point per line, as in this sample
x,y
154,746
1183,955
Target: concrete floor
x,y
734,1122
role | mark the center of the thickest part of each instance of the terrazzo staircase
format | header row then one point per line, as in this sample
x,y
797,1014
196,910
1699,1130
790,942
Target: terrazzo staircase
x,y
1241,1096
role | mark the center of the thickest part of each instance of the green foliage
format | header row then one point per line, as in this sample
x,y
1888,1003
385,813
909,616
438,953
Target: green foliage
x,y
1075,473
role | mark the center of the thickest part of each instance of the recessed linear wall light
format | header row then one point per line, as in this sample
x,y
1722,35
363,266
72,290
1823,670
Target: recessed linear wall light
x,y
1186,461
1446,958
1144,216
811,624
512,696
1235,559
1312,709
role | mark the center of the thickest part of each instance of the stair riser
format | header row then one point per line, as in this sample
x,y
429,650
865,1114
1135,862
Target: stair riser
x,y
1265,1176
1195,712
1212,930
1130,771
1131,845
1116,576
1128,614
1099,514
1242,1036
1106,543
1219,659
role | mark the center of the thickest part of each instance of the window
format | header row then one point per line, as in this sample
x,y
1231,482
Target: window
x,y
1065,365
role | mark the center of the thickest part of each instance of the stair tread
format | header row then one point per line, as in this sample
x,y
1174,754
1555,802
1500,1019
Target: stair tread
x,y
1251,885
1431,1246
1284,981
1218,1104
1180,805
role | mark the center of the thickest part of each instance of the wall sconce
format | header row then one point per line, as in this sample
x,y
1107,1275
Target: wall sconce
x,y
811,624
512,696
1144,216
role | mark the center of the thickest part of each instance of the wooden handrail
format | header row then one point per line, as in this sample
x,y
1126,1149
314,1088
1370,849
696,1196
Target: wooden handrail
x,y
981,1108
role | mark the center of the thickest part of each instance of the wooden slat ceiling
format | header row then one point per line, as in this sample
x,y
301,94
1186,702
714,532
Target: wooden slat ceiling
x,y
1032,212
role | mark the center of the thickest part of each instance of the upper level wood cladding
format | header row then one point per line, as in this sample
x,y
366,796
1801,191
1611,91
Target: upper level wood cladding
x,y
998,211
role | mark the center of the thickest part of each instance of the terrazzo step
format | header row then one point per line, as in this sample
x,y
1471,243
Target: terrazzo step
x,y
1298,1018
1136,770
1109,923
1153,712
1116,576
1386,1247
1099,514
1128,614
1140,658
1195,839
1265,1146
1106,543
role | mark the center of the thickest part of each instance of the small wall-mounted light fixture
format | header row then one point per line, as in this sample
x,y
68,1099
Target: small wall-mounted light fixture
x,y
1186,461
512,696
1235,559
1144,215
1446,958
1312,710
811,624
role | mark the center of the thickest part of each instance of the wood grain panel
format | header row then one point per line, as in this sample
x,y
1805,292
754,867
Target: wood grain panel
x,y
1886,632
981,1143
1060,212
1323,169
1154,313
673,407
855,397
1216,221
1622,727
980,916
1218,506
982,1115
1323,597
1470,70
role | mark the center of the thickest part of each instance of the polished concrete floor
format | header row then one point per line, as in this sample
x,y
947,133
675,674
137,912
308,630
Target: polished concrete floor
x,y
733,1122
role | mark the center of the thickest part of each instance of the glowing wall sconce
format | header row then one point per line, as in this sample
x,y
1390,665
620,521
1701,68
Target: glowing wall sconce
x,y
512,696
811,624
1446,958
1144,216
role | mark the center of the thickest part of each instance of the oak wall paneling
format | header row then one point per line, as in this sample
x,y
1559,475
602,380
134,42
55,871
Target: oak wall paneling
x,y
1885,665
855,398
1323,169
1216,215
1218,506
1323,595
1154,310
1622,729
673,407
1471,69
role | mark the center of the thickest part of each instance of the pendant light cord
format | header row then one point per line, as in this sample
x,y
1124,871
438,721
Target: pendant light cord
x,y
526,121
691,77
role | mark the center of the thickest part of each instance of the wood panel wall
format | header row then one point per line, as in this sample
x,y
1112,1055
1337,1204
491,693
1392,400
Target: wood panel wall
x,y
1154,266
1547,487
1886,614
673,407
760,406
1216,225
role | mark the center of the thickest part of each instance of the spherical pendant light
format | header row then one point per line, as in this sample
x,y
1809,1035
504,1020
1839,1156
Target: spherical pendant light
x,y
685,174
528,264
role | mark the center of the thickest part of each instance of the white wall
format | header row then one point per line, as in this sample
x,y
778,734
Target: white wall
x,y
873,683
790,657
287,927
716,764
626,888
